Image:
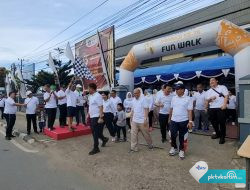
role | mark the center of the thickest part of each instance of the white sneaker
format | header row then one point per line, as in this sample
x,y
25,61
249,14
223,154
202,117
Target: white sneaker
x,y
181,154
113,139
173,151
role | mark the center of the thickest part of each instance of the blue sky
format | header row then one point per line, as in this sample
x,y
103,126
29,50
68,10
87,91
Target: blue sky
x,y
26,24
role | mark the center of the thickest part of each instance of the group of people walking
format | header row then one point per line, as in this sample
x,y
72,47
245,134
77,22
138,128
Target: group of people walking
x,y
176,111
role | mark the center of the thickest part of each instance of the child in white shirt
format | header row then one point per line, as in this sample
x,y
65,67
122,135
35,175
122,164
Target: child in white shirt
x,y
121,122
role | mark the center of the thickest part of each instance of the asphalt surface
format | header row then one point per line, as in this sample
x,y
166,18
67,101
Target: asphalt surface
x,y
20,170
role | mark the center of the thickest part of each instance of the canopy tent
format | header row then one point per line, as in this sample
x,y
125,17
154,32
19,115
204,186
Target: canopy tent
x,y
186,71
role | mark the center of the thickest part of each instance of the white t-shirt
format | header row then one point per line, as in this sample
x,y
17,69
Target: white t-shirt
x,y
219,101
139,105
115,101
52,101
2,102
108,106
158,95
95,101
60,94
71,98
128,103
181,106
200,99
31,105
81,100
9,107
166,101
232,102
150,100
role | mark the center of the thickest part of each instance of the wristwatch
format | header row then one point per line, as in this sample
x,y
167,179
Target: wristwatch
x,y
190,121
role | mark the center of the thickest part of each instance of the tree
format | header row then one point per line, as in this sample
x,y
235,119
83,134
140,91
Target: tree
x,y
44,77
2,76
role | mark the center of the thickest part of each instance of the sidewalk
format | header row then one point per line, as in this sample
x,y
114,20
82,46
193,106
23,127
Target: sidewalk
x,y
153,170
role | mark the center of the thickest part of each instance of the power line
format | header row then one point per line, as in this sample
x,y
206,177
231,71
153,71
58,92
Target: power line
x,y
79,19
188,26
102,23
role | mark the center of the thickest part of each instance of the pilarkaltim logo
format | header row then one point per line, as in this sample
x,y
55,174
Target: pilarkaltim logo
x,y
200,167
202,174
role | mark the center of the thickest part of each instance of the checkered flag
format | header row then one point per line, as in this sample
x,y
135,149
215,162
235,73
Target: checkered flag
x,y
81,70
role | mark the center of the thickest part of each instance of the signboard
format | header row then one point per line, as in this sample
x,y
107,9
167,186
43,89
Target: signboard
x,y
88,49
28,71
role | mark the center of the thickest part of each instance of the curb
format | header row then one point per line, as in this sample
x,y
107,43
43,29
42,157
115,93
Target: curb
x,y
21,135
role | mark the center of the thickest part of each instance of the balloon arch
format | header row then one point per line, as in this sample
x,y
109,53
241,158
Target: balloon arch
x,y
224,34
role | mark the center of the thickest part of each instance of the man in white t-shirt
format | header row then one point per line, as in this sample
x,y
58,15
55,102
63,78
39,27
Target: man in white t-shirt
x,y
31,107
231,108
50,98
180,118
216,100
199,99
72,99
80,111
2,100
139,120
10,110
62,104
96,118
164,103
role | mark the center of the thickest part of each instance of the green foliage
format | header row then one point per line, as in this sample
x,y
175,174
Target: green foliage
x,y
2,76
45,77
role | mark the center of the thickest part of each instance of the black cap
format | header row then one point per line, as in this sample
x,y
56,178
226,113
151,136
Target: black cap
x,y
179,86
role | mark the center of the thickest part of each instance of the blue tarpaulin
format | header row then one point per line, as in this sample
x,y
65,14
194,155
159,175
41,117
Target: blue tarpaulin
x,y
186,71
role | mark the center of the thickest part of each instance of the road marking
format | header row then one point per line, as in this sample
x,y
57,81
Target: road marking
x,y
19,145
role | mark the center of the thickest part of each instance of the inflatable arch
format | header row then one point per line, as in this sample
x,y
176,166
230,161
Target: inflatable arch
x,y
224,34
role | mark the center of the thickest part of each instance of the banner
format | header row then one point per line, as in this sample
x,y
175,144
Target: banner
x,y
89,50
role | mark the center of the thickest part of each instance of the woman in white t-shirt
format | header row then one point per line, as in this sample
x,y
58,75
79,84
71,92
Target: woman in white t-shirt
x,y
109,110
128,103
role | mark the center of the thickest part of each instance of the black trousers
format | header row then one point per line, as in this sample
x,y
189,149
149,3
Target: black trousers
x,y
150,118
2,114
174,128
108,120
97,131
80,113
31,118
123,129
128,123
217,118
63,114
10,120
51,113
163,120
231,114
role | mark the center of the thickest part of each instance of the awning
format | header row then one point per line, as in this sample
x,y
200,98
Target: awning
x,y
186,70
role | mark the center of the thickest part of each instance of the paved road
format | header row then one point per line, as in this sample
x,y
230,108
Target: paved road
x,y
32,171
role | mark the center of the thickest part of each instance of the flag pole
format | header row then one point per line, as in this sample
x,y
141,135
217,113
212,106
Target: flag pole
x,y
104,65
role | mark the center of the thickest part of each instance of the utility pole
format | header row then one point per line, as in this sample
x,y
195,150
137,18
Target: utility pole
x,y
21,65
